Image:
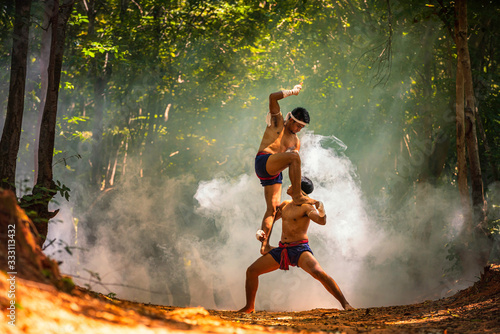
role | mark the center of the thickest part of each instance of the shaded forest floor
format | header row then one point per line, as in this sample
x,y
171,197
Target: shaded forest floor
x,y
43,309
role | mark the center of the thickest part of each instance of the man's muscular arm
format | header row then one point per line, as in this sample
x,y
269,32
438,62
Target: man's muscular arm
x,y
261,235
274,107
317,213
279,210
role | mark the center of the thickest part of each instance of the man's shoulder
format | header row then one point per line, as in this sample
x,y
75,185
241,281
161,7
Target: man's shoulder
x,y
308,206
303,208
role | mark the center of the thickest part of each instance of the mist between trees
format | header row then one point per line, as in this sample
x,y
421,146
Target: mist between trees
x,y
160,110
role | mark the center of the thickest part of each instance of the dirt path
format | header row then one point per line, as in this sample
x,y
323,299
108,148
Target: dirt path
x,y
43,309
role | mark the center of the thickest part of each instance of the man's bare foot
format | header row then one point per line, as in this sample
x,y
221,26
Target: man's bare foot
x,y
247,309
348,307
301,199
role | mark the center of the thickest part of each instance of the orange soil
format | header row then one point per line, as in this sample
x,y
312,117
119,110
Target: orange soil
x,y
43,309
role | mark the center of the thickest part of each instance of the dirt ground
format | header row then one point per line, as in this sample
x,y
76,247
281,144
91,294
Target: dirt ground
x,y
43,309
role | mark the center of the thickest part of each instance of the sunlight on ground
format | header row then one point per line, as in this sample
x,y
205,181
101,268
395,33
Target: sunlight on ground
x,y
43,309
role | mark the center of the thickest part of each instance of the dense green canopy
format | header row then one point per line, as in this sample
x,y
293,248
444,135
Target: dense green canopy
x,y
188,75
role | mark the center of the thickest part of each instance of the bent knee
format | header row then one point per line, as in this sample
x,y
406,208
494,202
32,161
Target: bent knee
x,y
251,272
294,155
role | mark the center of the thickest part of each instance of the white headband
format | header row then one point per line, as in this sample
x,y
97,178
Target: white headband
x,y
296,120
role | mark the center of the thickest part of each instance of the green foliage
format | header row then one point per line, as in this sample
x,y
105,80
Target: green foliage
x,y
67,284
47,273
176,73
38,197
62,190
455,267
41,196
62,246
111,295
93,276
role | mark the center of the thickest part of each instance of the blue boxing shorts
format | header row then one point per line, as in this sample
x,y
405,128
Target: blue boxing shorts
x,y
262,174
288,254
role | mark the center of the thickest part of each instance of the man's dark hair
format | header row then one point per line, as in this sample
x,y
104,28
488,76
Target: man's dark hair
x,y
301,114
306,185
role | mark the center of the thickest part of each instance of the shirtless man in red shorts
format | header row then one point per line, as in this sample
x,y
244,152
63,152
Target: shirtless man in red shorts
x,y
293,249
279,149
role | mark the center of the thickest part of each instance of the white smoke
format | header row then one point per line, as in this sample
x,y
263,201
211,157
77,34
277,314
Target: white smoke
x,y
340,246
157,247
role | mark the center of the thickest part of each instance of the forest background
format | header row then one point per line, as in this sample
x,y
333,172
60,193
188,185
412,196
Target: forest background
x,y
161,107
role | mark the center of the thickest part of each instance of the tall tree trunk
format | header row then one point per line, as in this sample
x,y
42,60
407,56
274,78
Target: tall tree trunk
x,y
97,130
47,128
100,79
45,185
478,201
475,231
44,67
460,122
11,135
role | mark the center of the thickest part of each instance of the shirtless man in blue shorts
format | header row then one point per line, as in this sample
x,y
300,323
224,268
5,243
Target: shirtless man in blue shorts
x,y
293,249
279,149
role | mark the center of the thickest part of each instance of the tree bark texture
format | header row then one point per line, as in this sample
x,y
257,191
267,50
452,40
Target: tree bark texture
x,y
100,80
460,120
478,201
475,221
44,66
47,130
11,136
59,19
